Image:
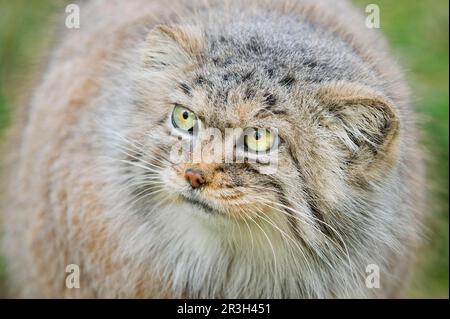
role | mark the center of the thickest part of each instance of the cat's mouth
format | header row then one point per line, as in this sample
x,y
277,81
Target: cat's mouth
x,y
201,204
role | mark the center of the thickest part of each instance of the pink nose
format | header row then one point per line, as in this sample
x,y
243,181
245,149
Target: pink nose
x,y
194,177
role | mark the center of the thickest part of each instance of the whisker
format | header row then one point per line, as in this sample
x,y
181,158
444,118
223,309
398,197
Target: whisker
x,y
285,236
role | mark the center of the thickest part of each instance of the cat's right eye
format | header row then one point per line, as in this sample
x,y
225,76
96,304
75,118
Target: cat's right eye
x,y
184,119
260,140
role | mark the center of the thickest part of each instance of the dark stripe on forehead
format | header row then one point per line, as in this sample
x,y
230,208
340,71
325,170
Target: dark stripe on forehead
x,y
309,63
287,81
268,111
223,97
249,93
270,99
254,46
270,72
248,76
202,81
185,88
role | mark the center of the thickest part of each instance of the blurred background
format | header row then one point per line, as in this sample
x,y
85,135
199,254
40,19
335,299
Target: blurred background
x,y
418,34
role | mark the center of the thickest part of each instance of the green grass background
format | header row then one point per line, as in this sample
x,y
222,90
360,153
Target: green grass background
x,y
418,33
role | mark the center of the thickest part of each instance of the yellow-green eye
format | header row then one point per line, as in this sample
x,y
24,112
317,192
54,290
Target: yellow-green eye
x,y
259,140
183,119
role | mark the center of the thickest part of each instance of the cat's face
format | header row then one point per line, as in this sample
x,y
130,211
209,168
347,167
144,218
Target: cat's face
x,y
304,147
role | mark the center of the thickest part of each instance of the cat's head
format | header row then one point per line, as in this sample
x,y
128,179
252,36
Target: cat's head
x,y
326,140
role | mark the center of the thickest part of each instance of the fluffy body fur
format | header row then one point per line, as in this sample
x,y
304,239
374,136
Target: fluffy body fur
x,y
91,182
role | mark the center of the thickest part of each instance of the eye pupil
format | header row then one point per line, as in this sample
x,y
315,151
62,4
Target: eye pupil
x,y
257,135
185,115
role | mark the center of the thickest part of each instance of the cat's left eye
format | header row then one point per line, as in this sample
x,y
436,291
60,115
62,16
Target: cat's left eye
x,y
259,140
183,119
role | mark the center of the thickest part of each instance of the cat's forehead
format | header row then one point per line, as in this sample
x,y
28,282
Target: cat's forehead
x,y
232,82
240,56
247,81
251,61
239,94
257,73
253,70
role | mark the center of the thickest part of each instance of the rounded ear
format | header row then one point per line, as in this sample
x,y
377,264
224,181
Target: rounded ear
x,y
173,46
365,122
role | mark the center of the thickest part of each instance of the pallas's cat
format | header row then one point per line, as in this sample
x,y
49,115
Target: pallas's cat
x,y
321,188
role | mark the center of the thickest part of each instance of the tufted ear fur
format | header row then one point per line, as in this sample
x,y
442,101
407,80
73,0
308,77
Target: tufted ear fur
x,y
169,46
366,124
